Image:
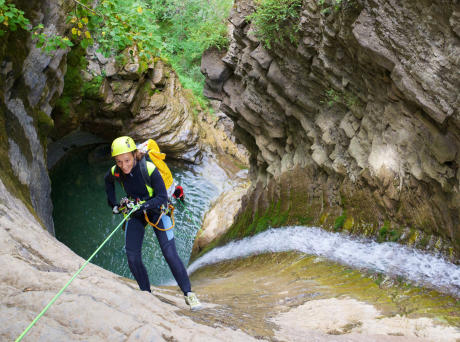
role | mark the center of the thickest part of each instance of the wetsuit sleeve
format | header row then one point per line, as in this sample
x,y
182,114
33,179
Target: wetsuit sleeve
x,y
110,189
161,196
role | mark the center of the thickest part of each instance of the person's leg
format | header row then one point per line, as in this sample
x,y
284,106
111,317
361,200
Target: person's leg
x,y
168,248
134,235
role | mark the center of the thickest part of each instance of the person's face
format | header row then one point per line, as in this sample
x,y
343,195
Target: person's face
x,y
125,162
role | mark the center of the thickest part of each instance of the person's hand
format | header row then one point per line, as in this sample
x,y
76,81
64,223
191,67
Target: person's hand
x,y
115,209
138,211
179,193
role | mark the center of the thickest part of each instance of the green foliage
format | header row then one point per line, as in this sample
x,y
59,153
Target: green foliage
x,y
117,24
91,89
73,81
304,220
275,21
11,18
332,97
351,100
188,28
175,30
63,106
49,43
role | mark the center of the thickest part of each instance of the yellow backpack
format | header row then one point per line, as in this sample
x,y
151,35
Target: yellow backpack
x,y
157,157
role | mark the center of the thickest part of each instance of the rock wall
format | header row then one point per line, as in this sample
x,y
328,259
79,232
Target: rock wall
x,y
30,83
97,306
127,95
356,125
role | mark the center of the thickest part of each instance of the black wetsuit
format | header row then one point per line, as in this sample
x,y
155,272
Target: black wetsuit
x,y
134,186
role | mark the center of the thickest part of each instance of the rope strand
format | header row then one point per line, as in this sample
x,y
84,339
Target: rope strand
x,y
73,277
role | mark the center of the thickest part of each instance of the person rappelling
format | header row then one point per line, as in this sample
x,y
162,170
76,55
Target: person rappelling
x,y
144,184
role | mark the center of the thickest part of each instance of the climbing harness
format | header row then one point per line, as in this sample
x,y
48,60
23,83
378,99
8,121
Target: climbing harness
x,y
164,211
126,204
135,207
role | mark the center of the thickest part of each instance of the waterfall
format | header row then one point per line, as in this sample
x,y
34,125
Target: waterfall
x,y
389,258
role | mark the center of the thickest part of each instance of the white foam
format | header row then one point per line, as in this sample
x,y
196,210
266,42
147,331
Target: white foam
x,y
388,258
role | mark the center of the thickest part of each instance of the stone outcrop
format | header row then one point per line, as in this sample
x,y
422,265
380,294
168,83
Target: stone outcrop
x,y
30,83
129,95
356,126
97,306
219,217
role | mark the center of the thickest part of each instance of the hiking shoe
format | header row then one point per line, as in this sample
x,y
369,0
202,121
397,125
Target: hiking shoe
x,y
192,301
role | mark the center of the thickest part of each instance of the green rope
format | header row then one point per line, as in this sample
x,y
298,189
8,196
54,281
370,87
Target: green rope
x,y
190,214
73,277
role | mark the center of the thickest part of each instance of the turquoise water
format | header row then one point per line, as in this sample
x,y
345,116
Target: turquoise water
x,y
83,219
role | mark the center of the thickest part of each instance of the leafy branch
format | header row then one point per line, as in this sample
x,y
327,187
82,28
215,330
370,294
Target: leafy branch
x,y
276,20
11,18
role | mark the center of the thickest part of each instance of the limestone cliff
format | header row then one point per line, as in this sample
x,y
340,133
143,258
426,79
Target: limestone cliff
x,y
356,125
30,83
128,95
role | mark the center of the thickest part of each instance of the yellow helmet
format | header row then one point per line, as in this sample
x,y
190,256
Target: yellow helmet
x,y
122,145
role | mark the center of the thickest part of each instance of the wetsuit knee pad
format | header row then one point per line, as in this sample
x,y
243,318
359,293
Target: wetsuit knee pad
x,y
166,220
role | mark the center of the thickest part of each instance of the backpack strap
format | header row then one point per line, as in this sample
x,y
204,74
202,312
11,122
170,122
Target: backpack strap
x,y
147,169
116,172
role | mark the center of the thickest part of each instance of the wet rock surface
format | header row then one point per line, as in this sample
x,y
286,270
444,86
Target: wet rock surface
x,y
97,306
363,110
296,297
220,216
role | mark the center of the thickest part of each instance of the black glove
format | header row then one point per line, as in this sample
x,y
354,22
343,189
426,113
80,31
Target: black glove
x,y
139,212
179,193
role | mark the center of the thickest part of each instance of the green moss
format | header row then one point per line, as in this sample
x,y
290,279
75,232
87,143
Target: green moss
x,y
323,218
73,81
349,224
288,203
45,125
332,97
91,89
304,220
65,108
63,105
340,221
387,233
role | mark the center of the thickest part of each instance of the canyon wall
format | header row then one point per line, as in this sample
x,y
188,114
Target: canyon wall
x,y
30,83
355,125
